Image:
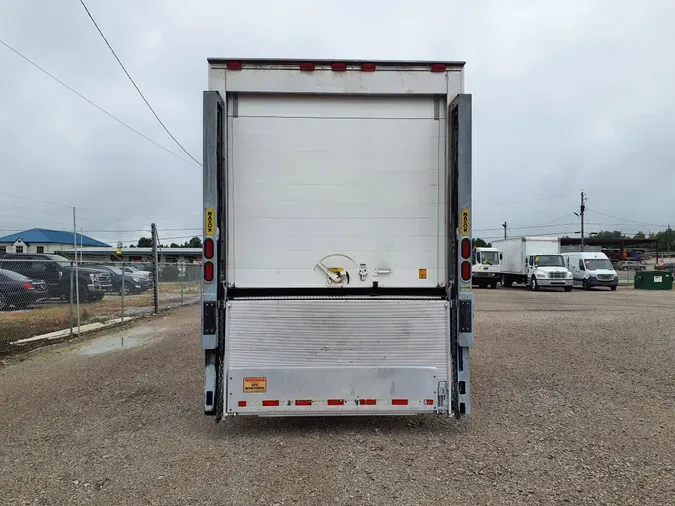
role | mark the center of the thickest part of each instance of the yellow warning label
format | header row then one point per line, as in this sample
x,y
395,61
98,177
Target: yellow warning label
x,y
255,385
423,274
336,270
210,222
465,222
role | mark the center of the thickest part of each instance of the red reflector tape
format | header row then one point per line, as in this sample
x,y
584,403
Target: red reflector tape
x,y
399,402
208,271
438,67
241,404
339,67
336,402
233,65
368,67
303,402
270,403
306,66
466,271
429,402
367,402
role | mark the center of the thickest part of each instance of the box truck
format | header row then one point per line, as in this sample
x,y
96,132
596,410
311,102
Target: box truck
x,y
590,269
535,262
337,238
486,267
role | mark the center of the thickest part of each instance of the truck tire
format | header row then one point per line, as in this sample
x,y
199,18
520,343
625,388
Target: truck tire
x,y
586,287
613,288
506,282
568,288
493,284
533,284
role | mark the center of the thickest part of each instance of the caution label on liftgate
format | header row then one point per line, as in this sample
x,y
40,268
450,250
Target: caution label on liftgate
x,y
210,218
465,222
255,385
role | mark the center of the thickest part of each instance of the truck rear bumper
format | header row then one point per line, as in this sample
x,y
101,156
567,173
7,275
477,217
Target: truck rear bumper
x,y
337,391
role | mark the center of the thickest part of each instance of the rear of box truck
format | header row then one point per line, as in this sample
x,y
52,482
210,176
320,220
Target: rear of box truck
x,y
337,248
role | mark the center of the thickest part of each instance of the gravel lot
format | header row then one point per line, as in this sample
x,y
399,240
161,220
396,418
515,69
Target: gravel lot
x,y
573,403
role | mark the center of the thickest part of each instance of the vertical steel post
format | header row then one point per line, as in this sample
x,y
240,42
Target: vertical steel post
x,y
155,268
124,275
181,273
77,278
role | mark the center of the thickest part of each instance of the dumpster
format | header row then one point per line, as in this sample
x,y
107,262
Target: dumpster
x,y
653,280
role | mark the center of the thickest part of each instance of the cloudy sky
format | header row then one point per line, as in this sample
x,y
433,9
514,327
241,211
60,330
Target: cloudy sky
x,y
568,95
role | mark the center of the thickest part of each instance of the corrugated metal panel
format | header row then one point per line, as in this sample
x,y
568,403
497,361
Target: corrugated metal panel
x,y
307,333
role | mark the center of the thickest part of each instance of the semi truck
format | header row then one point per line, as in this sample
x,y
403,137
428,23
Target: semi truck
x,y
535,262
486,267
337,238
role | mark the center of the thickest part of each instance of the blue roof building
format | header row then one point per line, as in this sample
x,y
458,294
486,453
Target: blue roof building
x,y
42,240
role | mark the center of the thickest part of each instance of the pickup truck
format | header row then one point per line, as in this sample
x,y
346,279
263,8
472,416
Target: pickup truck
x,y
55,271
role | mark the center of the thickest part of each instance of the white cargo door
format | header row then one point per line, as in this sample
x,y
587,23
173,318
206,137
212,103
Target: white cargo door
x,y
317,175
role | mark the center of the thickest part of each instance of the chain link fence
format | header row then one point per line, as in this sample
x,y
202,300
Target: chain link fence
x,y
43,300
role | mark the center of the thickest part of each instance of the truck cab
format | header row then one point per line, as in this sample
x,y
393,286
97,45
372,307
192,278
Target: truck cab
x,y
548,271
486,267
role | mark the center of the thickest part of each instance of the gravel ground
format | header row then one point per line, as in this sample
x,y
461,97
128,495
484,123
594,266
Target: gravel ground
x,y
573,403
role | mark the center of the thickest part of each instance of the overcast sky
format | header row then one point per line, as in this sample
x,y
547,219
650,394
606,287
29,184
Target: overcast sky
x,y
568,95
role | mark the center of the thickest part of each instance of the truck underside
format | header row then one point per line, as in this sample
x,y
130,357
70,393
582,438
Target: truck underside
x,y
292,176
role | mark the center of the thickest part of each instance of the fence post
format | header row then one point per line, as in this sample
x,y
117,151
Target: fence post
x,y
72,281
155,268
181,273
124,275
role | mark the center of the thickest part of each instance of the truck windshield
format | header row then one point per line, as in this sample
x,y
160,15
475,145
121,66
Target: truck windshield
x,y
593,264
489,257
548,261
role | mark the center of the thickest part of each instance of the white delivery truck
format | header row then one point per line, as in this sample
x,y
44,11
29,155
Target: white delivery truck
x,y
486,267
337,238
591,268
535,262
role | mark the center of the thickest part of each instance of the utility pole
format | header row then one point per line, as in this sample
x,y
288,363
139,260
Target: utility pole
x,y
504,225
155,268
77,278
582,209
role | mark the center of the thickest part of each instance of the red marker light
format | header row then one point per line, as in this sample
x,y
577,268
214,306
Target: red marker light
x,y
209,248
308,66
270,403
466,271
208,271
368,67
466,248
339,67
438,67
233,65
303,402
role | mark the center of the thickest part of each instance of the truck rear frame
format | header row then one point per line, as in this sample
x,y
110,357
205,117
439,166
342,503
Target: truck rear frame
x,y
397,347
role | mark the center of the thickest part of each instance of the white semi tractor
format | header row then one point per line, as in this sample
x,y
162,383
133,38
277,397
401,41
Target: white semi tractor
x,y
535,262
337,238
486,267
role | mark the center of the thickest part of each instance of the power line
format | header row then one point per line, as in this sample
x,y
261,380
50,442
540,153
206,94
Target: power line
x,y
135,86
92,103
624,219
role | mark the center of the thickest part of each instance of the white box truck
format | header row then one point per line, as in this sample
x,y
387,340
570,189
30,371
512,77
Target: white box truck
x,y
590,269
486,267
535,262
337,238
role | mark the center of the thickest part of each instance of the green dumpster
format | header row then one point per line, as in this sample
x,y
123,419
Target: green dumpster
x,y
653,280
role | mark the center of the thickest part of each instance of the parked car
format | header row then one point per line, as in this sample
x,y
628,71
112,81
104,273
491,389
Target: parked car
x,y
19,291
55,271
132,283
670,267
136,271
629,265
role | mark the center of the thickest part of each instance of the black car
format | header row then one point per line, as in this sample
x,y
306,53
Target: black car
x,y
19,291
55,271
132,283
